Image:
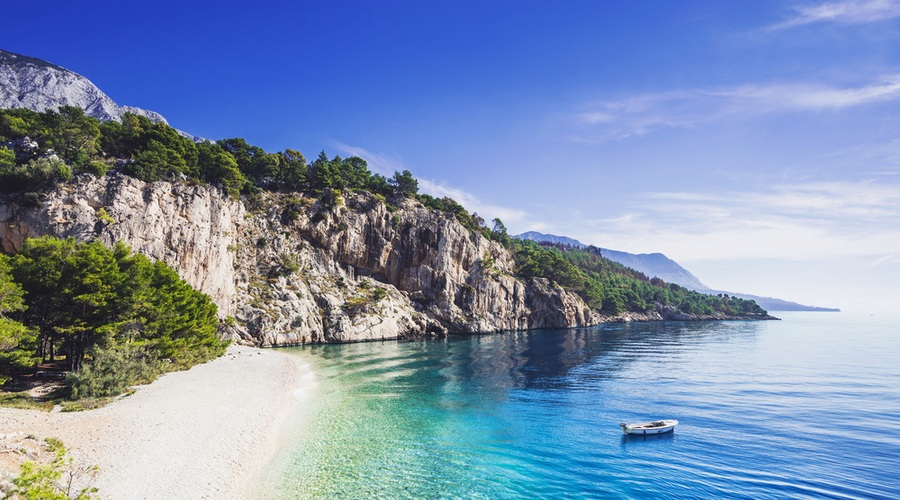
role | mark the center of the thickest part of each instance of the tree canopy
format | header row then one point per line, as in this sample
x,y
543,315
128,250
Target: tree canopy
x,y
66,142
613,288
40,149
65,300
15,338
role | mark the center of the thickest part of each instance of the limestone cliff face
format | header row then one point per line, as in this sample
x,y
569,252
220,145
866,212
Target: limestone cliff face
x,y
188,227
298,270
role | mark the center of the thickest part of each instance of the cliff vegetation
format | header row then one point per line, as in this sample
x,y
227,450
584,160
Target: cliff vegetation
x,y
297,252
615,289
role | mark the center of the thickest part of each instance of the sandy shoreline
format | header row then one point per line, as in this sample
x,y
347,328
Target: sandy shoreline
x,y
202,433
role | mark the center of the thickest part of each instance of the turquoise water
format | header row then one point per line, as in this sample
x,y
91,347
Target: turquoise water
x,y
807,407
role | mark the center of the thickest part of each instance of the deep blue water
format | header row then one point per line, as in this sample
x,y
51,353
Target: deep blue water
x,y
807,407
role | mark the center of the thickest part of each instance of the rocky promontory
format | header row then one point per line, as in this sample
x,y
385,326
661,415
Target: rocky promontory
x,y
294,269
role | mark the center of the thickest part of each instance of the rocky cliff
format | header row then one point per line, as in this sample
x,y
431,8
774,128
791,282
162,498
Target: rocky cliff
x,y
298,270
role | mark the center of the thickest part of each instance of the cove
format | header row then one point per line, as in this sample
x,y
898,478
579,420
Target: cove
x,y
804,407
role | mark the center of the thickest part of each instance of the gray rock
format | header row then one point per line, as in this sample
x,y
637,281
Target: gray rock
x,y
350,272
26,82
35,84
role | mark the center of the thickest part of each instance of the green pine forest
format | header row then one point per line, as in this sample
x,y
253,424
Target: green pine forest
x,y
112,317
101,309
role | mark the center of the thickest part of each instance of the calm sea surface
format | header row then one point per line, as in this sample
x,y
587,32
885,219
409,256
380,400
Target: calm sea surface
x,y
807,407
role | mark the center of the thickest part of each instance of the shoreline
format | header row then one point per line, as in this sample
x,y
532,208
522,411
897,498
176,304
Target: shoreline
x,y
606,320
207,432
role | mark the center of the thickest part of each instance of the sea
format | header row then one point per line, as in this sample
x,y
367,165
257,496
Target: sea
x,y
805,407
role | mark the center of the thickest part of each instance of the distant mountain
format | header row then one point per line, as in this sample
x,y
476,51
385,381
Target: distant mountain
x,y
38,85
773,304
660,266
656,264
550,238
651,264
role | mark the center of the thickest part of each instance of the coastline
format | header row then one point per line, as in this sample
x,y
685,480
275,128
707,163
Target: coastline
x,y
207,432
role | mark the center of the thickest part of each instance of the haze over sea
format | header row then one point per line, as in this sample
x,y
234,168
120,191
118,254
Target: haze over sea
x,y
806,407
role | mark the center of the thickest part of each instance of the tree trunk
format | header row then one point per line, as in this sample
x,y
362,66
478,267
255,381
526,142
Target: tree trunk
x,y
42,342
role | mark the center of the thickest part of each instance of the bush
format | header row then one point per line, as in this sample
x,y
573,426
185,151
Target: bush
x,y
289,264
356,305
293,207
32,200
37,174
56,480
103,215
95,167
112,371
332,198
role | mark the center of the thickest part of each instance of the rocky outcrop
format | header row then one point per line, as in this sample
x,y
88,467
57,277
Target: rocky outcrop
x,y
35,84
188,227
27,82
673,314
298,270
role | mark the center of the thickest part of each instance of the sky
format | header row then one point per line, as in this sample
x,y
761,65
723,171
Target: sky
x,y
755,142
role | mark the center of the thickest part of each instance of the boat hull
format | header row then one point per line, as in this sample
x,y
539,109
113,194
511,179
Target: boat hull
x,y
649,428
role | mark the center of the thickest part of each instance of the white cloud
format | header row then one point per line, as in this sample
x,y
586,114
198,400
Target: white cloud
x,y
886,259
487,211
388,164
871,159
379,163
798,222
641,114
844,12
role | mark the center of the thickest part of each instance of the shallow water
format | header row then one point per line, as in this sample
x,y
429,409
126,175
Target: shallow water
x,y
804,407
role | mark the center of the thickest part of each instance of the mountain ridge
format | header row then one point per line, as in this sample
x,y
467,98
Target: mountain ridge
x,y
651,264
658,265
35,84
38,85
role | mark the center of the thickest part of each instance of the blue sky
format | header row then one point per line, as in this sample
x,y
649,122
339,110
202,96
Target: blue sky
x,y
756,142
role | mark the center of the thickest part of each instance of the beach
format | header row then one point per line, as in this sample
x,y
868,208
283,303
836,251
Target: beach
x,y
206,432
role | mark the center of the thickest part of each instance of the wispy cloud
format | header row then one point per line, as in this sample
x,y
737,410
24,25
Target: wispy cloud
x,y
473,204
843,12
388,164
641,114
380,163
886,259
800,222
871,159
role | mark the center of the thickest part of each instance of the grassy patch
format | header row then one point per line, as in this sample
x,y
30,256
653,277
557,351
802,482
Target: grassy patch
x,y
86,404
24,401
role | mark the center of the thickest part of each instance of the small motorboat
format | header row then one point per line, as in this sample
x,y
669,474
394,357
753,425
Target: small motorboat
x,y
655,427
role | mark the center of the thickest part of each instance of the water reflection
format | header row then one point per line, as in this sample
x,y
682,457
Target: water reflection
x,y
496,364
527,414
545,359
637,440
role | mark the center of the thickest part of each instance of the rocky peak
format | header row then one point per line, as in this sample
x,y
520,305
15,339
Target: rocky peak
x,y
38,85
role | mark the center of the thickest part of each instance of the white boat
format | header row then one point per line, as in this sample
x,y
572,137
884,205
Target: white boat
x,y
655,427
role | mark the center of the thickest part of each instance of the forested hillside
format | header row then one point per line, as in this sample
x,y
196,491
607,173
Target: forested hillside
x,y
44,148
613,288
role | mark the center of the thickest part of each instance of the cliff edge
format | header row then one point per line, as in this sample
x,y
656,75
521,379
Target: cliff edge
x,y
306,270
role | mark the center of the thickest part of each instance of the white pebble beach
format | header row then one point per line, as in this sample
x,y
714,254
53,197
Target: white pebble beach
x,y
207,432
